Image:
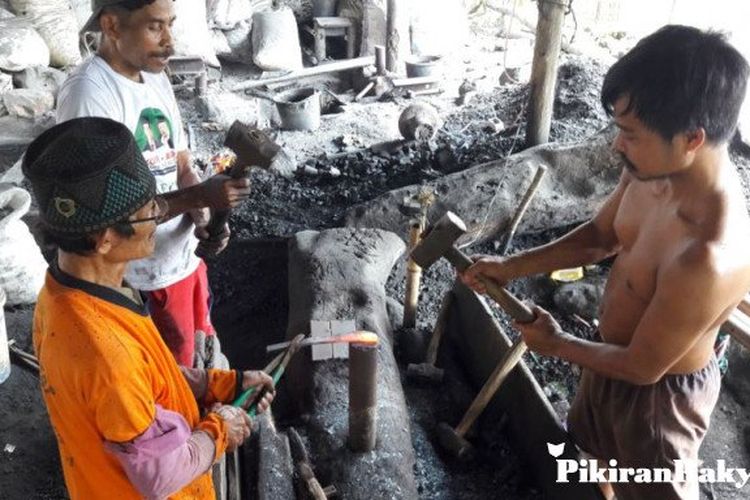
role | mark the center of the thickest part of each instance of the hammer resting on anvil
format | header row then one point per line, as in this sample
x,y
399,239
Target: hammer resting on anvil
x,y
253,149
440,242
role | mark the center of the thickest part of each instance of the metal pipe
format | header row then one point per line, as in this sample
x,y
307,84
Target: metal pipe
x,y
363,405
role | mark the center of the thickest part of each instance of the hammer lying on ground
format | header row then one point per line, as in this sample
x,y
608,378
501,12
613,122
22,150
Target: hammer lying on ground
x,y
440,242
253,148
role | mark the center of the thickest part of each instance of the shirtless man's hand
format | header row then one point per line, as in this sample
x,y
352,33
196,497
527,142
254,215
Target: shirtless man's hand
x,y
544,335
487,266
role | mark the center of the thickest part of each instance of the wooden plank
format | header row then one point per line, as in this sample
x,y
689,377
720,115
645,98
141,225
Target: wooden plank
x,y
417,80
744,306
359,62
738,327
332,22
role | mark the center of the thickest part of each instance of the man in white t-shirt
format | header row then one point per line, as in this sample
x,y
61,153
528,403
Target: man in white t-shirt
x,y
125,81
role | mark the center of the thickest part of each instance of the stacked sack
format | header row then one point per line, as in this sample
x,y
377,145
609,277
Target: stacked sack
x,y
22,267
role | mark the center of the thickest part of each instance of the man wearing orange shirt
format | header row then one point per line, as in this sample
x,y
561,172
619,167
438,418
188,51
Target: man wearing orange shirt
x,y
127,418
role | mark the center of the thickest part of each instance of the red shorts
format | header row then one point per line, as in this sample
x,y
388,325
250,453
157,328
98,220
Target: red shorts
x,y
181,309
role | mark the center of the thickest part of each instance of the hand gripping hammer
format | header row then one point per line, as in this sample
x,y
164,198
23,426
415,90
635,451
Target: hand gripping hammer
x,y
440,242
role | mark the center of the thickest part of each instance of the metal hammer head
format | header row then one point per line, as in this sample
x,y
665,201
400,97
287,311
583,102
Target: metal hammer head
x,y
439,240
252,146
453,443
424,372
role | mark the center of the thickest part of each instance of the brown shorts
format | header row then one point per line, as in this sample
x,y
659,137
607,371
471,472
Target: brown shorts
x,y
645,426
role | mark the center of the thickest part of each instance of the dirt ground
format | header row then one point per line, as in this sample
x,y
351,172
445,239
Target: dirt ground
x,y
250,283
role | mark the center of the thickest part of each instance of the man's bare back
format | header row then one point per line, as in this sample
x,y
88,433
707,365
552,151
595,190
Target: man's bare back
x,y
656,226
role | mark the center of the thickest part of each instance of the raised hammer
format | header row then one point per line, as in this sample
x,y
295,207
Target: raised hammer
x,y
252,148
440,242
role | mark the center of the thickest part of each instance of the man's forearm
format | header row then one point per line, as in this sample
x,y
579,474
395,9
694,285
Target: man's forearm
x,y
610,360
579,247
212,385
185,199
189,195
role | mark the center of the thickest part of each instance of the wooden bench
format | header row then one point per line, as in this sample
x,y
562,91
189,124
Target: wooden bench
x,y
324,27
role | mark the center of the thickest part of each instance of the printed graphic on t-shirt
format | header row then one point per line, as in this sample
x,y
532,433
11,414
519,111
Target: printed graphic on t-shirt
x,y
154,136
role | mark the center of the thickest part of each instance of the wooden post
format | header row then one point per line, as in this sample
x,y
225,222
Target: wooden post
x,y
380,59
363,404
320,43
352,35
544,70
394,34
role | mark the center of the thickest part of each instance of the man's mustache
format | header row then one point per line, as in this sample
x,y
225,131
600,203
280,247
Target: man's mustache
x,y
166,53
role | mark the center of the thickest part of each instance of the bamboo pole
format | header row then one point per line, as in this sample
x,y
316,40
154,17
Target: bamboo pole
x,y
413,278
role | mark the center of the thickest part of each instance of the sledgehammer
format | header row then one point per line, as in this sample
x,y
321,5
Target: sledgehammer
x,y
252,148
440,242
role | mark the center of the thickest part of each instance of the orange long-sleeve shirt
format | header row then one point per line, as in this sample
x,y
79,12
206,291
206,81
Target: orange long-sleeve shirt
x,y
104,368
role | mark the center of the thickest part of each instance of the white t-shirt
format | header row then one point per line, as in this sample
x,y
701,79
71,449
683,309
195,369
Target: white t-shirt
x,y
149,110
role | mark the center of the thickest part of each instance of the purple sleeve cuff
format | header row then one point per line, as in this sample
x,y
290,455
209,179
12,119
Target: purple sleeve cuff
x,y
166,457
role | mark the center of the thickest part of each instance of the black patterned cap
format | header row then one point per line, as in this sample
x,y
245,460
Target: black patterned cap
x,y
87,174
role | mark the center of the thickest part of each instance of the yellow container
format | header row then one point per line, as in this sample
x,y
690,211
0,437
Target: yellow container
x,y
567,275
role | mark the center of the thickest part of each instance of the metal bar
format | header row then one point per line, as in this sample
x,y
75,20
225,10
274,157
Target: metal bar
x,y
356,336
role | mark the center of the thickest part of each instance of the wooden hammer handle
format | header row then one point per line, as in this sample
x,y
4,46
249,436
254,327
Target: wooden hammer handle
x,y
504,367
220,217
514,307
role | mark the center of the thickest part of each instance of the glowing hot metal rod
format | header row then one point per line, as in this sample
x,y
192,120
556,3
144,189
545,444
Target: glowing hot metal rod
x,y
356,337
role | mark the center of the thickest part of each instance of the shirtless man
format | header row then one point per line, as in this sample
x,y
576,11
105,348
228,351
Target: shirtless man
x,y
678,225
